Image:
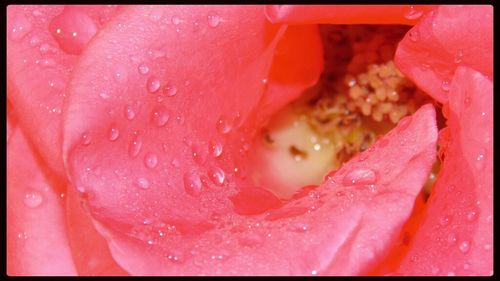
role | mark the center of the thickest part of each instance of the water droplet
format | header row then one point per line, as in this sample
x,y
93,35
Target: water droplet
x,y
20,27
156,14
452,238
464,247
413,13
48,62
142,183
215,148
250,239
223,126
151,160
466,266
472,216
33,199
143,68
175,163
445,86
300,227
160,116
359,176
72,30
425,66
480,163
170,90
458,56
213,20
114,133
153,84
444,221
217,175
176,20
435,270
199,155
414,35
86,139
23,235
35,41
129,112
192,184
47,48
135,146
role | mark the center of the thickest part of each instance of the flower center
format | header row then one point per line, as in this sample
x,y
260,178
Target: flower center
x,y
360,96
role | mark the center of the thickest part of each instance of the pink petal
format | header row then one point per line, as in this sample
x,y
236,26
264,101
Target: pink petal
x,y
38,70
346,14
153,194
444,39
456,236
37,241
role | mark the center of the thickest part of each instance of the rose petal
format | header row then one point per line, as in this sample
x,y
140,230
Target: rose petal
x,y
456,236
89,249
297,64
38,71
184,234
444,39
346,14
36,237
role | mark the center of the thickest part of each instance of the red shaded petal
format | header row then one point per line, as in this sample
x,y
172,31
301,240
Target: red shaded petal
x,y
444,39
37,241
346,14
456,236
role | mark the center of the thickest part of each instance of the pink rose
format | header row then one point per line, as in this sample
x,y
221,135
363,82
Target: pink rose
x,y
126,125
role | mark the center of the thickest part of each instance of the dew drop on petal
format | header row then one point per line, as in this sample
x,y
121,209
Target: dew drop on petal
x,y
135,146
452,238
153,84
86,139
213,20
217,176
20,27
223,126
33,199
129,112
34,41
23,235
72,30
414,35
156,14
464,246
445,86
170,90
360,176
142,183
47,48
160,116
413,13
458,56
192,184
143,68
215,148
444,221
176,20
480,162
114,133
151,160
472,216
